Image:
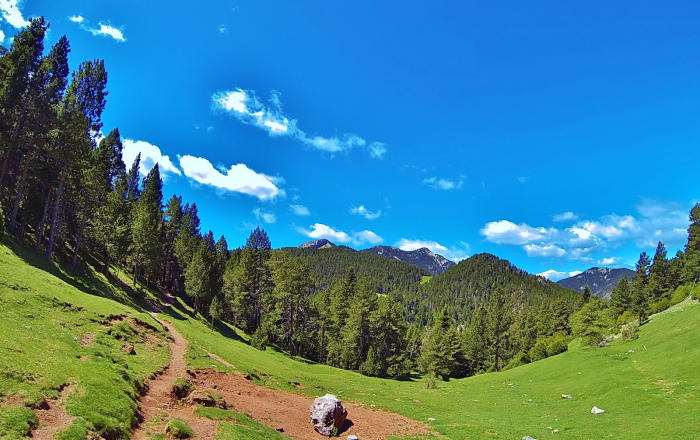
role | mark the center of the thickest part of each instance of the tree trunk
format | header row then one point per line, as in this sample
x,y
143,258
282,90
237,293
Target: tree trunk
x,y
40,228
135,274
20,193
56,210
78,242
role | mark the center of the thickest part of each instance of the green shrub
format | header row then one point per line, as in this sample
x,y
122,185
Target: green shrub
x,y
179,429
78,430
626,317
556,346
629,331
696,292
539,351
431,382
660,306
681,293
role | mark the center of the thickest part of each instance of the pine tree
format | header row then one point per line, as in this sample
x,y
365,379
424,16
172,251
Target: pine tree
x,y
356,335
621,298
691,266
640,296
658,274
592,322
586,294
200,282
440,347
289,312
499,318
146,246
476,343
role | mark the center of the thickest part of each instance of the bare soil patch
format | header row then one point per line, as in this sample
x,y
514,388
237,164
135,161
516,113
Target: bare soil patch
x,y
290,411
86,339
55,418
274,408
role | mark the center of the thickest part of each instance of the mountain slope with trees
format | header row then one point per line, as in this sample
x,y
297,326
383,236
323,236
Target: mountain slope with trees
x,y
601,280
423,258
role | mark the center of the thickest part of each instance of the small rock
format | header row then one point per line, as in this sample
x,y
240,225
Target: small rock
x,y
416,401
280,429
527,437
373,406
328,414
128,349
566,396
352,437
430,419
555,431
631,351
597,410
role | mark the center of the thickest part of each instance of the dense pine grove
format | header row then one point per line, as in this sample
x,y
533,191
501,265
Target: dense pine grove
x,y
386,274
66,189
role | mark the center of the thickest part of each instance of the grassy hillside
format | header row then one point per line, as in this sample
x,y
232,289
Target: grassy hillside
x,y
648,387
58,330
646,393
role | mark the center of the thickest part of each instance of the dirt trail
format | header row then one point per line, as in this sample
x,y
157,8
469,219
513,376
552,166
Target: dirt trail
x,y
290,411
274,408
55,418
158,401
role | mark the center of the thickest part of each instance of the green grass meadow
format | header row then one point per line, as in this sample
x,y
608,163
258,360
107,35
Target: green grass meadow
x,y
648,387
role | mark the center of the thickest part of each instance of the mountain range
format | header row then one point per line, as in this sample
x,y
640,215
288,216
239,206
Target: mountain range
x,y
423,257
601,280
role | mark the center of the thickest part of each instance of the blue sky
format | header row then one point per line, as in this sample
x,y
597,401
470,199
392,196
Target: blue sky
x,y
557,135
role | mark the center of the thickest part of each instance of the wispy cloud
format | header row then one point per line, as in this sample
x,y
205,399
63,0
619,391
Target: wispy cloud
x,y
150,155
238,178
319,230
455,253
222,28
245,106
300,210
369,215
444,184
267,217
565,216
2,36
105,28
9,10
554,275
654,221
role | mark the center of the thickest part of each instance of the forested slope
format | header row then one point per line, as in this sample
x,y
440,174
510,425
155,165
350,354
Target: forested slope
x,y
330,264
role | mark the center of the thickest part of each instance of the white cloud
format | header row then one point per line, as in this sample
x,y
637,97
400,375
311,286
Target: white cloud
x,y
210,129
245,106
507,232
10,12
548,251
369,215
554,275
108,30
319,230
456,253
565,216
150,155
2,36
267,217
105,29
655,221
523,180
444,184
239,178
377,150
223,29
300,210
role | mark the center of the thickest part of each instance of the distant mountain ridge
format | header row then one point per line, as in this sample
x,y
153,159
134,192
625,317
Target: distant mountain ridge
x,y
423,258
601,280
317,244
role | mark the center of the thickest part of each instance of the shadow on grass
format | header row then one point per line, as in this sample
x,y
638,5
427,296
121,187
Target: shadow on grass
x,y
86,282
181,313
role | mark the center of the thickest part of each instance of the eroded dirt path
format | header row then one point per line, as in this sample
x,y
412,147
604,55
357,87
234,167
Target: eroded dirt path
x,y
55,418
274,408
290,411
